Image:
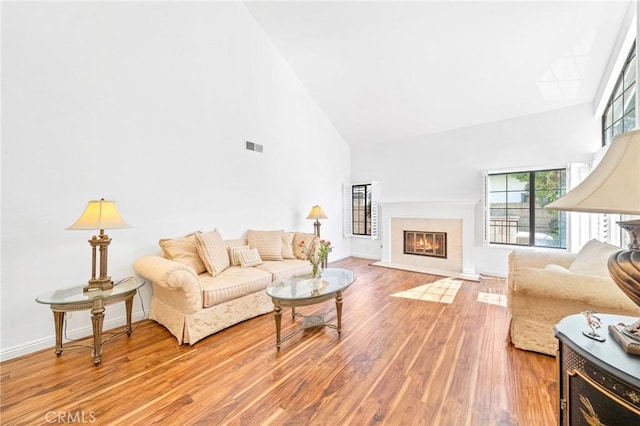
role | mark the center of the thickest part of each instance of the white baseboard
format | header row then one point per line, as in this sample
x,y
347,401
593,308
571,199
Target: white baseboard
x,y
440,272
495,274
80,333
365,256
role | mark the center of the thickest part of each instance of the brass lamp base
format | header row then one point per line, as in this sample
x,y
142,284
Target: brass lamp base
x,y
99,284
624,268
103,281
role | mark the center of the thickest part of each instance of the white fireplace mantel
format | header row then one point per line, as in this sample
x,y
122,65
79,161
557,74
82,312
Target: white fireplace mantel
x,y
462,210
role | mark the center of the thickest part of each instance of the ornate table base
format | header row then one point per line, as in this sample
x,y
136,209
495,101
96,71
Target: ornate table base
x,y
308,321
75,299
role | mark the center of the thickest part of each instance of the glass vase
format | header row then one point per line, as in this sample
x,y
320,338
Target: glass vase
x,y
316,271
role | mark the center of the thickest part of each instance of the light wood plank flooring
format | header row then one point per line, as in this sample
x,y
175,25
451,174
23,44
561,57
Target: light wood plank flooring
x,y
398,362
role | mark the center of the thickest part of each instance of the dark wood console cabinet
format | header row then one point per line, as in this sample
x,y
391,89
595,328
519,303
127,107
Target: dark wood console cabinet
x,y
598,383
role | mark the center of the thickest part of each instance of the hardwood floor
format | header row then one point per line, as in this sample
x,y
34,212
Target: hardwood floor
x,y
398,362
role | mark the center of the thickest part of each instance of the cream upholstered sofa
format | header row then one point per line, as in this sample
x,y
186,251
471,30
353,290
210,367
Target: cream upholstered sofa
x,y
203,284
544,287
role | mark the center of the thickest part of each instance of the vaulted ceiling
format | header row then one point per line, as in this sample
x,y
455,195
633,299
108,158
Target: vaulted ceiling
x,y
392,71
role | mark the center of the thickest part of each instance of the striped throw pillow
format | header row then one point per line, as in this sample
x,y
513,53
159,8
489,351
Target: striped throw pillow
x,y
212,251
268,243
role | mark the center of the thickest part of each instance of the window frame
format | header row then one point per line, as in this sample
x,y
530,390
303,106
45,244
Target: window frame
x,y
348,210
621,92
362,188
530,194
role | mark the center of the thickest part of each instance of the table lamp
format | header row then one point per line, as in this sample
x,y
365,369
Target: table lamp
x,y
614,187
99,215
316,213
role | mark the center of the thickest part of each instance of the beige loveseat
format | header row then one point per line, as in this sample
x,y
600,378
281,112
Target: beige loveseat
x,y
203,284
544,287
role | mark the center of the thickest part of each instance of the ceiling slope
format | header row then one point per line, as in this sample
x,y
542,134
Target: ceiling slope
x,y
390,71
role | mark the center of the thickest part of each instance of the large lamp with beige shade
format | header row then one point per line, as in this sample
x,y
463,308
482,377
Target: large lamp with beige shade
x,y
614,187
99,215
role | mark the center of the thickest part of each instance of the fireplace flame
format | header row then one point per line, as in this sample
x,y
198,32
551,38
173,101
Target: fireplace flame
x,y
422,245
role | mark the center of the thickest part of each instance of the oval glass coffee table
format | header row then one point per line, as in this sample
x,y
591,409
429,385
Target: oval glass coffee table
x,y
302,290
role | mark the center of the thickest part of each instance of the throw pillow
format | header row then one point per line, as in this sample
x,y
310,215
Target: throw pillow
x,y
592,259
249,257
212,251
308,239
268,243
234,254
183,250
287,245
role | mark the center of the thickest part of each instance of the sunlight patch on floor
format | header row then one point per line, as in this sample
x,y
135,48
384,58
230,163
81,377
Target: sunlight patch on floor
x,y
442,291
492,298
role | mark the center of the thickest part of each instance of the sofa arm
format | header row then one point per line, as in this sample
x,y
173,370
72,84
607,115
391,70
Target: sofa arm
x,y
539,259
601,293
172,275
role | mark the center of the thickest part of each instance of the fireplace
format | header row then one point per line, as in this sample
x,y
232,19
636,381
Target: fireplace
x,y
456,218
426,243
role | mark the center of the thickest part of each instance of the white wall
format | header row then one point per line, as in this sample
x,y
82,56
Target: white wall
x,y
147,104
449,166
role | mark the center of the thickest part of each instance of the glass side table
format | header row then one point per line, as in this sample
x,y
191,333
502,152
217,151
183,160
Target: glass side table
x,y
75,299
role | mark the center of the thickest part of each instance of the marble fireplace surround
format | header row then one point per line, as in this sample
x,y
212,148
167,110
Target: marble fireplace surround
x,y
456,218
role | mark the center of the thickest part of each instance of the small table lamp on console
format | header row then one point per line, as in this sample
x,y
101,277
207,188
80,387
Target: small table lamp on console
x,y
99,215
614,187
316,213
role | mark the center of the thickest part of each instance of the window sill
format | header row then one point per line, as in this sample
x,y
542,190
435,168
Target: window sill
x,y
531,248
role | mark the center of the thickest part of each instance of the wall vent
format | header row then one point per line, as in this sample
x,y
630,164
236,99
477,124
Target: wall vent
x,y
253,146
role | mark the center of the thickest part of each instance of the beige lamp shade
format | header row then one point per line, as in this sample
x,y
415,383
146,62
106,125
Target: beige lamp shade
x,y
316,213
100,214
613,186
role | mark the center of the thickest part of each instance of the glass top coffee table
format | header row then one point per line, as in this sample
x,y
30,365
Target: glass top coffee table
x,y
302,290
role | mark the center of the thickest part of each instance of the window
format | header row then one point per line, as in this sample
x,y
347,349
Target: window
x,y
620,114
516,208
361,210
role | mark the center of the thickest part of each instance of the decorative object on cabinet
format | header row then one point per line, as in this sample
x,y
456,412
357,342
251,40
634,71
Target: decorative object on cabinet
x,y
594,323
628,344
